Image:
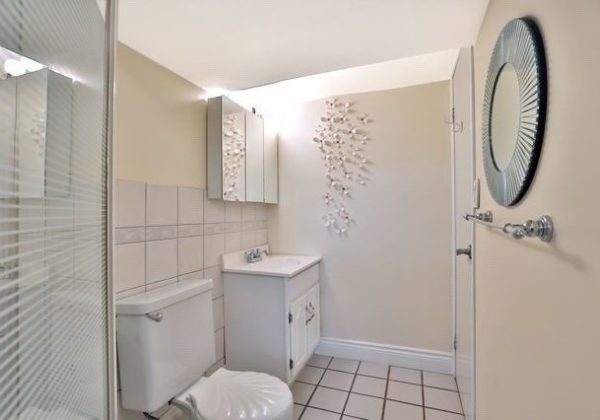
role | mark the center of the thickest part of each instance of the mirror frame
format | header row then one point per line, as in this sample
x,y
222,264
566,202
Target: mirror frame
x,y
520,44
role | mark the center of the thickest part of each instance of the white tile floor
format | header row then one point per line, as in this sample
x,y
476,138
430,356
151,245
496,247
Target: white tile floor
x,y
338,389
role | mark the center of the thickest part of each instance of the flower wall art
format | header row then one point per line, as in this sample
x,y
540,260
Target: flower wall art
x,y
342,139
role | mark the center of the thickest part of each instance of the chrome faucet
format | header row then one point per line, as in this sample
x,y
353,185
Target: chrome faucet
x,y
255,255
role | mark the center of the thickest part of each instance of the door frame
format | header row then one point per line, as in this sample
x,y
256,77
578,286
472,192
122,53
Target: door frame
x,y
454,227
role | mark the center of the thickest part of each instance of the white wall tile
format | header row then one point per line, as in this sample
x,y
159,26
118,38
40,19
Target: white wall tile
x,y
233,211
233,242
261,211
162,283
214,247
190,230
130,266
214,211
196,275
248,212
129,235
191,254
216,275
261,237
161,261
130,203
156,233
218,313
248,239
161,205
191,206
131,292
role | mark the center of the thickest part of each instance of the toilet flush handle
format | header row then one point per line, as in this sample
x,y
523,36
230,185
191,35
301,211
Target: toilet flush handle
x,y
155,316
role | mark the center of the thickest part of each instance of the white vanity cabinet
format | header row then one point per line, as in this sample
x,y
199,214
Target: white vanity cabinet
x,y
304,328
272,320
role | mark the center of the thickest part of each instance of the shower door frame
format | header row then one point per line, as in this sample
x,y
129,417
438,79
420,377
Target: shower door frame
x,y
458,126
111,337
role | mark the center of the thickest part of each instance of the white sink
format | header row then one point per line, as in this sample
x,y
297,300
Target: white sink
x,y
278,265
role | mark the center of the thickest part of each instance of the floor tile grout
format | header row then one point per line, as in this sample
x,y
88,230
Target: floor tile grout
x,y
316,386
385,397
385,394
350,390
423,393
382,379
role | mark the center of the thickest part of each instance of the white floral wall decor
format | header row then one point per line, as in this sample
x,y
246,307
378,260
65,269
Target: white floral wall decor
x,y
234,151
342,139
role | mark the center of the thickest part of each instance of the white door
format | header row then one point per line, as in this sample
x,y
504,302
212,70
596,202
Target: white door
x,y
313,322
298,334
463,167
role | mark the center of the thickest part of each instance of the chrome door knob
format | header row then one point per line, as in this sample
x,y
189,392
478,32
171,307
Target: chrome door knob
x,y
464,251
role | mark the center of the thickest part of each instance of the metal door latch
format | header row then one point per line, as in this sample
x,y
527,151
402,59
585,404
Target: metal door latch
x,y
464,251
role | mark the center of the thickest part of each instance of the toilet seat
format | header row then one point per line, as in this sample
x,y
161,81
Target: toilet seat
x,y
237,395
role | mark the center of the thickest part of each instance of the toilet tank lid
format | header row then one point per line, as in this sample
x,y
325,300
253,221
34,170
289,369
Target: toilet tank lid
x,y
161,298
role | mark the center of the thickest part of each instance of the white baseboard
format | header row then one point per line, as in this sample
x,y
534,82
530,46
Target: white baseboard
x,y
430,360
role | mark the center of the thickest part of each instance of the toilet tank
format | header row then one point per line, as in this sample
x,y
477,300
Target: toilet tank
x,y
165,342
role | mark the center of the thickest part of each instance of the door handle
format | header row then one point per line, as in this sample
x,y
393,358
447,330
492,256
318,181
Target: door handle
x,y
464,251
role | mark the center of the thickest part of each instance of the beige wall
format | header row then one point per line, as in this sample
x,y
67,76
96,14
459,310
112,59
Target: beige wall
x,y
160,121
538,305
389,280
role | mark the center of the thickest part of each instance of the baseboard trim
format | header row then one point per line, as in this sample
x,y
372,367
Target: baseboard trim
x,y
430,360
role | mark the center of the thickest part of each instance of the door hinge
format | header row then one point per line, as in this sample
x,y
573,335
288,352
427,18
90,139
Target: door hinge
x,y
456,127
291,364
455,343
290,318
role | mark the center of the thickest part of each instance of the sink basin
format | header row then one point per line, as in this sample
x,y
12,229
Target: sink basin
x,y
277,262
278,265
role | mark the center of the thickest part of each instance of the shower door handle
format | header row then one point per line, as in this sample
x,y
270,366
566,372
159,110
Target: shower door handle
x,y
464,251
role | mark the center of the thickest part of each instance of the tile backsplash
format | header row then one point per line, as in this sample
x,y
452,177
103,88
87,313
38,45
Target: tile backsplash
x,y
165,234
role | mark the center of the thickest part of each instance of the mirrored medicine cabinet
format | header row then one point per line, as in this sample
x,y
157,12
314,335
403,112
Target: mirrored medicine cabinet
x,y
35,133
242,155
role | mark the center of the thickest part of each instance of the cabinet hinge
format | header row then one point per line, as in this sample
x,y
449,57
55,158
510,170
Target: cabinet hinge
x,y
290,318
291,364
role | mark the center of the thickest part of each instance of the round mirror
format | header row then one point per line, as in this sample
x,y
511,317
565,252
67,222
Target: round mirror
x,y
506,109
514,111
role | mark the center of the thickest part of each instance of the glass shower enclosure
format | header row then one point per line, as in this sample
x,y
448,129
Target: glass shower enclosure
x,y
56,345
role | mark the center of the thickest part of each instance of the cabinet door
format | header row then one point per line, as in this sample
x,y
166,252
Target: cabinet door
x,y
298,336
313,324
255,180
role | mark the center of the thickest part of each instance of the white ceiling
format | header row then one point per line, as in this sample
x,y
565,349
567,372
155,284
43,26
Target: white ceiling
x,y
238,44
393,74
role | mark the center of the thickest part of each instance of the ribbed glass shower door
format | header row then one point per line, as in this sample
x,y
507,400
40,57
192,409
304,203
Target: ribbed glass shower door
x,y
55,305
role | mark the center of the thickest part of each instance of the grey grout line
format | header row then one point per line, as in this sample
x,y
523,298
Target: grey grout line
x,y
423,393
387,384
426,386
350,390
462,407
385,398
374,396
316,386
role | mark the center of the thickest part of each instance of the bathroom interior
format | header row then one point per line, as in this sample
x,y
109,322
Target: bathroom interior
x,y
299,210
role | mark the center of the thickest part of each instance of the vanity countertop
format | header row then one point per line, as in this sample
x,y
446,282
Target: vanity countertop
x,y
275,265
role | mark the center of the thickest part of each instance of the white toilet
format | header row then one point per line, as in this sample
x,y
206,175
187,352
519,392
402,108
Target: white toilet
x,y
165,342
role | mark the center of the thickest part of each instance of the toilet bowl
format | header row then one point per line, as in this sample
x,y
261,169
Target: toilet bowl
x,y
236,395
165,343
